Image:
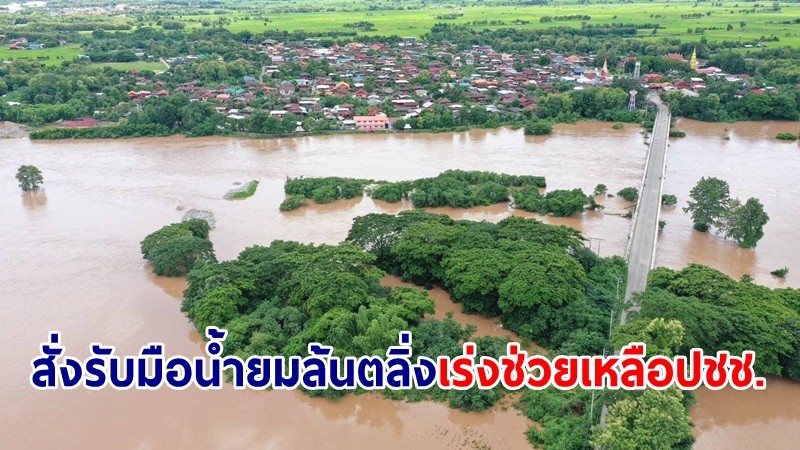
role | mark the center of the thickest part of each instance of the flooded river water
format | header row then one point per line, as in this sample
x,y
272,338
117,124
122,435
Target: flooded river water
x,y
70,262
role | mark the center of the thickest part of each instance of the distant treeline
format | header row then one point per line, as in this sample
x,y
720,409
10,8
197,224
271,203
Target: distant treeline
x,y
720,102
545,19
451,16
362,25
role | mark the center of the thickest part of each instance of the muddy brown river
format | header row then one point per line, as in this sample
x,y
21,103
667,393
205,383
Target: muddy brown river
x,y
69,261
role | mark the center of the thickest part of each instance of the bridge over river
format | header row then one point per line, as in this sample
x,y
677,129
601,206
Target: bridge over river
x,y
641,251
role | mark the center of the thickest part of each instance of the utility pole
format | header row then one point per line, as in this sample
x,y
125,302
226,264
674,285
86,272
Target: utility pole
x,y
610,327
611,319
599,242
604,412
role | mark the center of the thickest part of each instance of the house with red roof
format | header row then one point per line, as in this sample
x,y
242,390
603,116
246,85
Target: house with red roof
x,y
675,57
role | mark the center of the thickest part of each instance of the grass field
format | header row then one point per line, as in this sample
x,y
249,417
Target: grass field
x,y
709,20
155,66
763,22
47,56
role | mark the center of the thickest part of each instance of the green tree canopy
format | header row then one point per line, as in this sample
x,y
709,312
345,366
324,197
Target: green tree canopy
x,y
654,420
174,249
746,223
710,198
29,178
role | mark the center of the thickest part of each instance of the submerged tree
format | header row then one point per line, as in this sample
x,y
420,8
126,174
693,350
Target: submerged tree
x,y
600,189
710,199
174,249
746,223
712,205
669,200
30,178
538,128
629,193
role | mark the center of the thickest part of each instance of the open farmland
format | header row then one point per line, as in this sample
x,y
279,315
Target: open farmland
x,y
748,21
47,56
155,66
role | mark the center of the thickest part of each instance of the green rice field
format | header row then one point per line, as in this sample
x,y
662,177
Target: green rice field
x,y
47,56
676,18
155,66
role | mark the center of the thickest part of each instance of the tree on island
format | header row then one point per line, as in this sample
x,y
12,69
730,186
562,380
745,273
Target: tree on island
x,y
30,178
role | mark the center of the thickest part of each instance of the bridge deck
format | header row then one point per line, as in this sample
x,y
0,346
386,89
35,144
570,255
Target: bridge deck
x,y
642,244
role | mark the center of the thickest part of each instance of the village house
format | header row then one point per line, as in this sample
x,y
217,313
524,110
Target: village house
x,y
405,104
286,89
371,123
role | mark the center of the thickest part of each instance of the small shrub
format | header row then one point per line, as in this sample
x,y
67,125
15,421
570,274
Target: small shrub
x,y
677,134
600,189
669,200
630,194
787,136
617,126
661,225
293,203
593,205
780,273
538,128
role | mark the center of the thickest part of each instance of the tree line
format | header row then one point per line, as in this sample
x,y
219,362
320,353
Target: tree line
x,y
539,279
453,188
276,299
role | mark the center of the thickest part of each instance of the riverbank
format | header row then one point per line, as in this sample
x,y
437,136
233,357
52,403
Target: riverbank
x,y
11,130
118,132
125,131
121,131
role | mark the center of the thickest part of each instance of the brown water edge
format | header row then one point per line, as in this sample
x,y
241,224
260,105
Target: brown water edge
x,y
72,264
755,164
497,428
768,419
